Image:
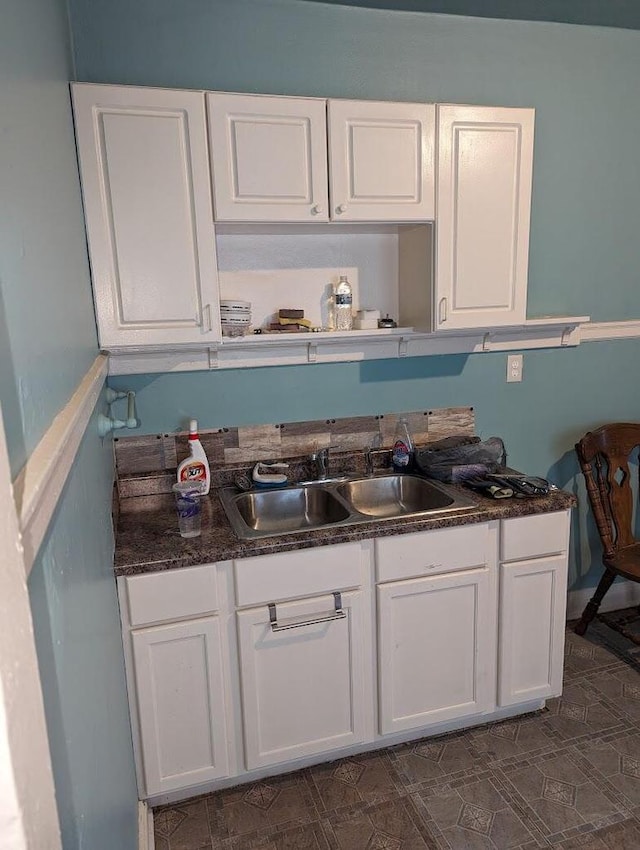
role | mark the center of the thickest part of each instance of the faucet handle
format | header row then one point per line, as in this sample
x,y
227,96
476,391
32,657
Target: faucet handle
x,y
322,453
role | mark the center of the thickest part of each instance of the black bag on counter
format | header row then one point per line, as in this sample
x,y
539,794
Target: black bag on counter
x,y
459,458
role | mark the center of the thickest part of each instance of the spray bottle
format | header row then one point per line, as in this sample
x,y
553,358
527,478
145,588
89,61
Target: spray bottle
x,y
196,466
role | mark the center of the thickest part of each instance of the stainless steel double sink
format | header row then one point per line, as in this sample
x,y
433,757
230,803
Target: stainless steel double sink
x,y
345,501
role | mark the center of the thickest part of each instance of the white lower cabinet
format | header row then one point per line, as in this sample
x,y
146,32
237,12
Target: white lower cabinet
x,y
532,612
175,656
532,615
436,626
179,683
302,677
436,649
276,659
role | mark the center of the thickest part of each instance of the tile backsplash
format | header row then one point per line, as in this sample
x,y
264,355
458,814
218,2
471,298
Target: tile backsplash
x,y
155,455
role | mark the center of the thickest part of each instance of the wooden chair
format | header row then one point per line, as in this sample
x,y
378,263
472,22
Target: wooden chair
x,y
604,460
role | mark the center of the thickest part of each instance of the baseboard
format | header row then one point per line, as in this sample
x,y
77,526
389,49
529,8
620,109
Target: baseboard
x,y
623,594
145,827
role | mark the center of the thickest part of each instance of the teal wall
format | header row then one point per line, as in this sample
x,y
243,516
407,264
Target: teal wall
x,y
79,645
584,83
45,302
47,343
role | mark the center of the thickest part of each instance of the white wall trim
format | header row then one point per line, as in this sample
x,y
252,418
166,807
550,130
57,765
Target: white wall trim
x,y
622,594
145,827
28,812
595,331
39,483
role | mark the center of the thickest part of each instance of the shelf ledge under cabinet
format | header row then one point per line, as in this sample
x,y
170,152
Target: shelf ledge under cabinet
x,y
331,336
334,347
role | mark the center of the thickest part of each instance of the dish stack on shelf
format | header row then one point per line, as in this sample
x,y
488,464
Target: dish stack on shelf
x,y
235,317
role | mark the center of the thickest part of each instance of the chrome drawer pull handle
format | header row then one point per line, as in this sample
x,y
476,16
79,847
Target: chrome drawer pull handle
x,y
337,614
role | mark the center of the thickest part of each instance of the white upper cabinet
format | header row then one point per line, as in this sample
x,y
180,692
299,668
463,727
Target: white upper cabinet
x,y
147,198
160,167
381,160
268,157
485,159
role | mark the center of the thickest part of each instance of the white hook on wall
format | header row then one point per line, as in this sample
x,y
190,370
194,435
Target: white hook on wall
x,y
106,424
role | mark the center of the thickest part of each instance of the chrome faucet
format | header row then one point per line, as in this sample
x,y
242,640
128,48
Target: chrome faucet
x,y
368,453
368,461
321,460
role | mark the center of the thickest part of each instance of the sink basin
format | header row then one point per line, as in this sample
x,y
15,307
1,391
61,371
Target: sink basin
x,y
290,509
395,496
323,504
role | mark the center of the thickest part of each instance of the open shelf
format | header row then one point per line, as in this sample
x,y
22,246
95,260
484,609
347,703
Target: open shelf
x,y
335,347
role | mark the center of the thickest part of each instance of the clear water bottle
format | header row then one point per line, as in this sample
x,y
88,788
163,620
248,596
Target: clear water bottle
x,y
343,303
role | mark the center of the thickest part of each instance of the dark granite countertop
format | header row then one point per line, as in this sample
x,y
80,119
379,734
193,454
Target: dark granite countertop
x,y
147,537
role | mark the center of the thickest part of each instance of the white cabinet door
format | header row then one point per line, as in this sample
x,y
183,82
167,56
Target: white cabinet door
x,y
303,687
268,157
180,693
381,160
436,649
147,198
485,160
533,596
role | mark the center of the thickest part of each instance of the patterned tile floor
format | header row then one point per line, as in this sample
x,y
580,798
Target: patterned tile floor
x,y
567,777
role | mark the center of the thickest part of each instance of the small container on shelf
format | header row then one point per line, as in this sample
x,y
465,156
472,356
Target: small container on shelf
x,y
366,320
235,317
387,322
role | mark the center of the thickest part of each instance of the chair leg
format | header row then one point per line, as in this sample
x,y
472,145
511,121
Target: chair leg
x,y
592,606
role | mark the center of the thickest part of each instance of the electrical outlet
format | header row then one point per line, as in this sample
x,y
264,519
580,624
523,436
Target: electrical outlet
x,y
514,368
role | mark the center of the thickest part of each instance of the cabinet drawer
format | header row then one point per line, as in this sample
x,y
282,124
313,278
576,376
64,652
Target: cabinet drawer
x,y
287,575
432,552
172,595
533,536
